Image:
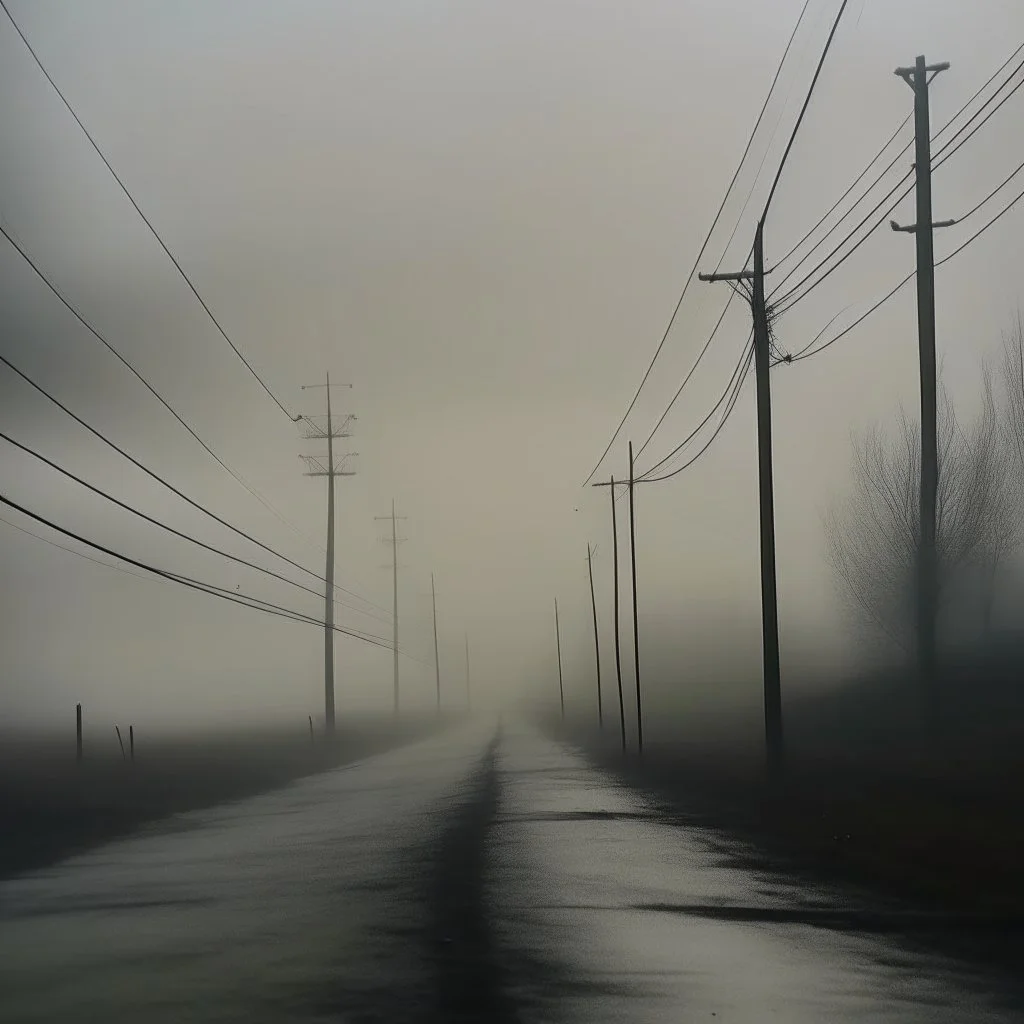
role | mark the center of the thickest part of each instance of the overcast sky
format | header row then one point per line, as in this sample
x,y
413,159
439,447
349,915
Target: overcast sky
x,y
481,216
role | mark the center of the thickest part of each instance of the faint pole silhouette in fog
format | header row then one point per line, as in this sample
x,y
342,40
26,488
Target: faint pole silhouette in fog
x,y
636,629
597,645
319,466
615,591
558,648
394,540
437,656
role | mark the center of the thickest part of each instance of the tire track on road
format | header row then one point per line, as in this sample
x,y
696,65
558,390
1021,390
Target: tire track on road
x,y
469,979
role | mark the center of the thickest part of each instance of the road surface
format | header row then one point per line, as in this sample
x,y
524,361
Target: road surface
x,y
475,875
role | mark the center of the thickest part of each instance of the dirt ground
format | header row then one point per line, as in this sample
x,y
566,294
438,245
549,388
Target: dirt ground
x,y
52,806
944,829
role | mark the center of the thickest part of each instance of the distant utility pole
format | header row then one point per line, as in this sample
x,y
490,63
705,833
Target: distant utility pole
x,y
437,657
636,630
597,646
318,466
469,702
769,600
918,78
395,541
615,575
558,647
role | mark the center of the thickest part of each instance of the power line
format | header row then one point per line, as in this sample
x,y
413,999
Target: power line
x,y
784,302
192,584
164,526
149,224
828,213
1006,181
778,174
803,109
1006,209
807,352
72,551
297,616
700,255
892,138
984,120
156,476
686,379
737,371
135,372
736,388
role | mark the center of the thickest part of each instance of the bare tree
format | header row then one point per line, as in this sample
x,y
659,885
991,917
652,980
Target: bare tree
x,y
873,536
1012,381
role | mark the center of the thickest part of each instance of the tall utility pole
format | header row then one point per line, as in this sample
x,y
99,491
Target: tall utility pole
x,y
319,466
636,630
769,601
395,541
437,657
597,646
610,484
558,647
918,79
469,701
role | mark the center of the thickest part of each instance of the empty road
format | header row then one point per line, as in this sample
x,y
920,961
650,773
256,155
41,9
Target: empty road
x,y
480,874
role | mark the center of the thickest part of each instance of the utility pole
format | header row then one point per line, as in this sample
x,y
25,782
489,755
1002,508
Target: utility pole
x,y
558,646
769,601
918,78
469,702
326,467
636,631
395,541
615,575
597,647
437,658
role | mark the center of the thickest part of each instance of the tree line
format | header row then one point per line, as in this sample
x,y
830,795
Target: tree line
x,y
873,531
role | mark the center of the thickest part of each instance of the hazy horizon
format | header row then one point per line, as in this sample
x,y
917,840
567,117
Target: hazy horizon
x,y
480,216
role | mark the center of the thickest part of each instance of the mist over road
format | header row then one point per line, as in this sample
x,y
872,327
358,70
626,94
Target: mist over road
x,y
474,875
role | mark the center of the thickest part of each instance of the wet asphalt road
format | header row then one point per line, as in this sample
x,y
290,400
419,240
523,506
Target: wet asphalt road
x,y
471,876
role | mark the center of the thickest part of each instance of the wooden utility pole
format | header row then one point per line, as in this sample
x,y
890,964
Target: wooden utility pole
x,y
597,646
395,541
615,590
918,78
327,468
437,657
78,732
469,701
558,647
636,631
769,602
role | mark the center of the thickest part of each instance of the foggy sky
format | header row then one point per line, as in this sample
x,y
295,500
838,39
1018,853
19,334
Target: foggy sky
x,y
480,215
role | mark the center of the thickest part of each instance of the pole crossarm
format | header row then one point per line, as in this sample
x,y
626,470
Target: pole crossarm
x,y
912,228
319,466
314,431
738,275
908,74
